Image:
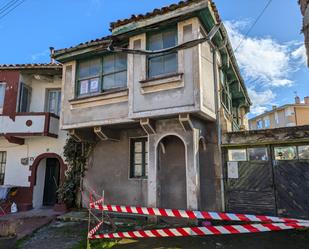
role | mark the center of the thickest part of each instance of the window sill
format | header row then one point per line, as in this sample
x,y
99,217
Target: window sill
x,y
108,97
162,83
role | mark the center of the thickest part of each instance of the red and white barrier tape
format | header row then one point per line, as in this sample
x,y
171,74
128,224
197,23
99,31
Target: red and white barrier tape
x,y
94,230
202,231
194,214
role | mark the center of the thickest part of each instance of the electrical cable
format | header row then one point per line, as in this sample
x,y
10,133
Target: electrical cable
x,y
8,5
254,23
10,10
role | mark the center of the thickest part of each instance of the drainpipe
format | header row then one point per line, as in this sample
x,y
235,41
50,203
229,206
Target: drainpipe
x,y
218,121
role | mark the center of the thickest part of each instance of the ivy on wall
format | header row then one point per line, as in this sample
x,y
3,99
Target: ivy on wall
x,y
76,155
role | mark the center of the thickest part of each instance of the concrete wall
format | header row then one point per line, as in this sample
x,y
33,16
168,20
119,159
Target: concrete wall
x,y
109,169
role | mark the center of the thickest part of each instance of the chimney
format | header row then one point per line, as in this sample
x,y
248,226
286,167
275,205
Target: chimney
x,y
297,100
306,99
52,52
274,107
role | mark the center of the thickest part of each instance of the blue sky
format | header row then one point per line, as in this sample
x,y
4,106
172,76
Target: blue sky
x,y
271,57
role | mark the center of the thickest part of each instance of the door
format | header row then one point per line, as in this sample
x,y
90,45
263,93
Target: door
x,y
51,181
172,173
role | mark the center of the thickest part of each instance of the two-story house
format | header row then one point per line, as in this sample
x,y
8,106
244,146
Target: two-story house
x,y
31,144
154,97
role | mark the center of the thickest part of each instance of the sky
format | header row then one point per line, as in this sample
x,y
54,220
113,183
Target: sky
x,y
271,57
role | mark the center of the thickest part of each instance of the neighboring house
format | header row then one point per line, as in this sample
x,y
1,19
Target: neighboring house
x,y
31,144
305,12
155,118
284,116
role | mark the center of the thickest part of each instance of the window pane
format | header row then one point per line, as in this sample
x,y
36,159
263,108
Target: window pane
x,y
138,158
94,85
89,68
2,166
155,42
108,64
169,39
156,66
257,154
303,152
138,146
170,63
259,124
2,93
285,153
138,172
237,155
121,79
83,87
267,123
121,62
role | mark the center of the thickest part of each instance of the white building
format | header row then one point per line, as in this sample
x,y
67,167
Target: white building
x,y
31,144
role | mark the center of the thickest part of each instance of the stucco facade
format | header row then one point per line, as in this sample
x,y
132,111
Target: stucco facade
x,y
176,118
284,116
29,130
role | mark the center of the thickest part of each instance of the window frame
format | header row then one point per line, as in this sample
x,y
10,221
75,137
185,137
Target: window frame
x,y
225,90
148,57
100,77
145,144
298,155
258,147
48,90
3,162
2,84
229,158
20,96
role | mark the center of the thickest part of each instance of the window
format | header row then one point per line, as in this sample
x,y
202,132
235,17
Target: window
x,y
162,64
236,155
24,98
226,99
257,154
267,123
139,158
98,75
114,71
2,94
53,103
303,152
285,153
259,124
2,166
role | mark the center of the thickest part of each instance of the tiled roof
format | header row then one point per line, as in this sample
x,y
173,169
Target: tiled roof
x,y
106,40
31,66
161,11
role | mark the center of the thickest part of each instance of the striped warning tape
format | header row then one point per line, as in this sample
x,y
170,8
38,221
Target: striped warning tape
x,y
202,231
94,230
194,214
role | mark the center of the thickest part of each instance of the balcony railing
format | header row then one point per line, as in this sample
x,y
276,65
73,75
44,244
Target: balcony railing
x,y
30,124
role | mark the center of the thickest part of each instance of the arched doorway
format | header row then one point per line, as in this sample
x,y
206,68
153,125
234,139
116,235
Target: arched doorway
x,y
46,175
172,191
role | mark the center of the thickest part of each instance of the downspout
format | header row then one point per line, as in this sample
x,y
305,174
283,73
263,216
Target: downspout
x,y
218,121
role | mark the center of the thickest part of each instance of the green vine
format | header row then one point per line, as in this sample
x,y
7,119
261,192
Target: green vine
x,y
76,155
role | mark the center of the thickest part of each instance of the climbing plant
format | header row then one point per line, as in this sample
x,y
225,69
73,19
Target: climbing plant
x,y
76,155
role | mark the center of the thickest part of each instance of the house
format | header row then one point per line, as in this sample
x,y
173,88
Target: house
x,y
154,98
31,143
305,12
296,114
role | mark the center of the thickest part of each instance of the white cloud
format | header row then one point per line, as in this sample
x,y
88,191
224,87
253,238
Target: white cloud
x,y
300,54
260,99
266,63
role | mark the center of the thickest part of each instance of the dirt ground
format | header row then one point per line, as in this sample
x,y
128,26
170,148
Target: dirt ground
x,y
71,235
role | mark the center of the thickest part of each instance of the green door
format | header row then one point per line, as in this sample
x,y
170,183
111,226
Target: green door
x,y
51,181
